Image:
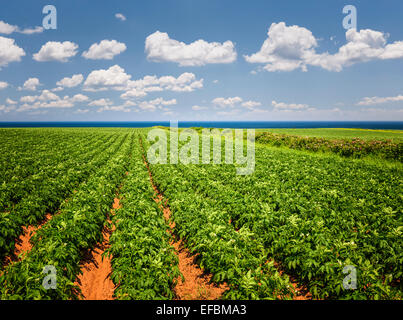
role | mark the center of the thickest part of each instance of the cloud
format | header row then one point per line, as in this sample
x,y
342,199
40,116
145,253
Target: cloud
x,y
9,101
370,101
232,102
285,49
162,102
46,95
186,82
288,48
112,77
125,107
6,28
48,99
81,111
120,17
147,106
106,49
3,85
119,108
56,51
100,103
79,98
251,104
115,78
9,51
133,93
198,108
281,106
7,109
31,84
74,81
160,48
28,99
32,30
227,102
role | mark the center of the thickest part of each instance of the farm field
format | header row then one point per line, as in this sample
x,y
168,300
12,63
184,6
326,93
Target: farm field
x,y
340,133
175,231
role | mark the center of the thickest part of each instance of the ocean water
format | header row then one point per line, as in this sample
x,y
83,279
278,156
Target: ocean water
x,y
395,125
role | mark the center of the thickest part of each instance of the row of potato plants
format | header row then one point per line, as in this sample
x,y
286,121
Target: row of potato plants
x,y
232,256
347,213
356,148
64,240
50,193
144,264
21,155
316,215
55,161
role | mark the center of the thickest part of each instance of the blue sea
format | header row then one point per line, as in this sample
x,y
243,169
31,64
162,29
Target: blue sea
x,y
395,125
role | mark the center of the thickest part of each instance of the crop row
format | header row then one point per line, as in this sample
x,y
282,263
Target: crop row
x,y
232,256
27,152
315,215
62,242
26,177
50,193
144,265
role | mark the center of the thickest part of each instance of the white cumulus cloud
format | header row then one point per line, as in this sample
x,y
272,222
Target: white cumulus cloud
x,y
79,98
120,16
371,101
101,103
9,51
56,51
74,81
251,104
160,48
6,28
114,76
282,106
10,101
288,48
106,49
186,82
3,85
31,84
227,102
285,49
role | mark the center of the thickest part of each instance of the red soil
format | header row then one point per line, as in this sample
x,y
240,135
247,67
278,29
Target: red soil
x,y
301,292
95,282
197,284
23,244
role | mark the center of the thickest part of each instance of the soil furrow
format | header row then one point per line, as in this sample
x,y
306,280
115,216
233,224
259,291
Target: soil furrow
x,y
197,284
300,291
95,282
23,244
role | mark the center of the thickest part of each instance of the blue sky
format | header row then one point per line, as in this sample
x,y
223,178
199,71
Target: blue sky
x,y
201,60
